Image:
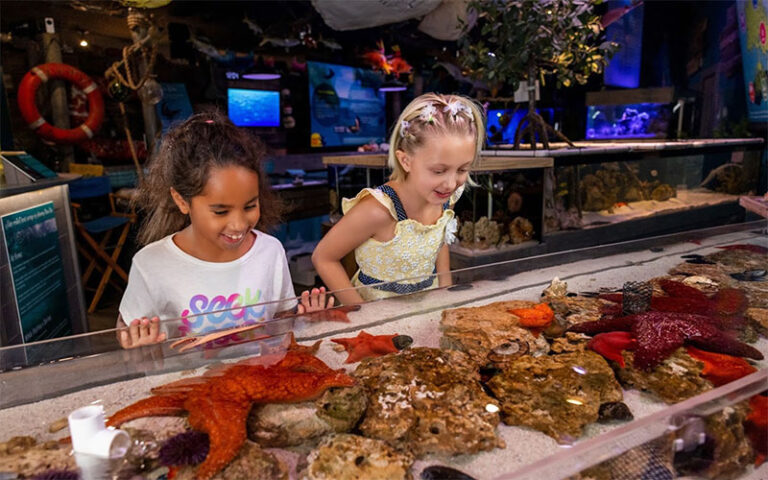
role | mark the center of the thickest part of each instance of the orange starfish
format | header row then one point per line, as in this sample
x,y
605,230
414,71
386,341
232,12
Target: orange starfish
x,y
539,316
365,345
720,368
218,402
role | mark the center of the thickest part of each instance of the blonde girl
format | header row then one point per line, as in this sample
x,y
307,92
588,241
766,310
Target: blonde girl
x,y
399,231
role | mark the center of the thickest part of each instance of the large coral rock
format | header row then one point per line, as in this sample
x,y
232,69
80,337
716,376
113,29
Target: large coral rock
x,y
426,400
677,378
251,463
557,394
349,457
25,457
478,330
281,425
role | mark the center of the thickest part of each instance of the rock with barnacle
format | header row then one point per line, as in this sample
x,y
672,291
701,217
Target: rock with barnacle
x,y
476,331
347,457
426,400
282,425
251,463
557,394
27,458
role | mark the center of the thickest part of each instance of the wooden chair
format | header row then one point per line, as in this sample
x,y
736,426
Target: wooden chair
x,y
101,255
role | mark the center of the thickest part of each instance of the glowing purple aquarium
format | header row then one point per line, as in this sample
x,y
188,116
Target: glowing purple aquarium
x,y
638,120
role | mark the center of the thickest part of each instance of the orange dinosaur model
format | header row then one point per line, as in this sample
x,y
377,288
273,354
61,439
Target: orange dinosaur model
x,y
218,402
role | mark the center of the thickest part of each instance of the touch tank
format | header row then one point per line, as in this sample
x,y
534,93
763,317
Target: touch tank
x,y
443,390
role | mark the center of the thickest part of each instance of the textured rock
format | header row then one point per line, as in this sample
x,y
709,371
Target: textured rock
x,y
557,394
25,457
349,457
426,400
281,425
677,378
478,330
758,318
570,342
251,463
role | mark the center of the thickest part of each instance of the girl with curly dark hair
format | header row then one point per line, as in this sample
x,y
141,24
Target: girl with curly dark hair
x,y
208,203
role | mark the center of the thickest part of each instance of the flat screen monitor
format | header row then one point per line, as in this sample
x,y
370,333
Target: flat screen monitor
x,y
253,108
636,120
502,123
346,107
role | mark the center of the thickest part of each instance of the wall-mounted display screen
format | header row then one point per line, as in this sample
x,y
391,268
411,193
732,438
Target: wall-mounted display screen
x,y
253,108
346,107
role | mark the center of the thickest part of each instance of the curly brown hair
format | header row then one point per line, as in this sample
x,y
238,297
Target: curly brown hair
x,y
183,162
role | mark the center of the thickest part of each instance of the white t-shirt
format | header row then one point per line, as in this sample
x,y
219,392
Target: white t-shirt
x,y
165,281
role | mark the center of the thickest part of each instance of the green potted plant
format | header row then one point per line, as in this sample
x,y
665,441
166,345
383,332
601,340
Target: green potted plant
x,y
516,40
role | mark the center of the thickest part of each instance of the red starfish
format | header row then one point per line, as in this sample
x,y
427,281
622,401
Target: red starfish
x,y
610,345
756,427
746,246
661,333
721,369
218,402
726,306
365,345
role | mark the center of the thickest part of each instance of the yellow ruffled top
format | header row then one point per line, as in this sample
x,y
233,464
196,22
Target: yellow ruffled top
x,y
412,252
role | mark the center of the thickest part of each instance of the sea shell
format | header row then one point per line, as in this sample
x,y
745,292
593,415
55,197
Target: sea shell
x,y
508,351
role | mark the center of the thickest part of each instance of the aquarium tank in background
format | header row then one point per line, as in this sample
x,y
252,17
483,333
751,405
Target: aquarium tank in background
x,y
502,123
637,120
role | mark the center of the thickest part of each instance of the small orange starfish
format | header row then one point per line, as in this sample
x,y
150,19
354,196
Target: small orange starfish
x,y
365,345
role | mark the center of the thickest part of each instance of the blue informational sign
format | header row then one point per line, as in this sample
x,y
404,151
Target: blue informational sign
x,y
753,23
34,257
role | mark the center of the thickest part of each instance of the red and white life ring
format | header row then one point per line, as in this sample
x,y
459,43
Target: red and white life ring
x,y
26,97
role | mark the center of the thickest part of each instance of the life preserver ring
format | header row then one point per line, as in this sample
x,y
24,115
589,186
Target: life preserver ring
x,y
26,98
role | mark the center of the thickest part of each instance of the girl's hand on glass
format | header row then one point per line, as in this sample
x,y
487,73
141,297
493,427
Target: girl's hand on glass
x,y
314,301
141,332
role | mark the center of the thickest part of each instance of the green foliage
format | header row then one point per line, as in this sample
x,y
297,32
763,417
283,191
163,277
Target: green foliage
x,y
514,38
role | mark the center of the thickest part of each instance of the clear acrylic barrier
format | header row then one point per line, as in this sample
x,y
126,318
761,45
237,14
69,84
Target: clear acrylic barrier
x,y
71,367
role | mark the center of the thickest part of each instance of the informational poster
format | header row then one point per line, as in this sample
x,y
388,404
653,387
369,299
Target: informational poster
x,y
753,33
37,272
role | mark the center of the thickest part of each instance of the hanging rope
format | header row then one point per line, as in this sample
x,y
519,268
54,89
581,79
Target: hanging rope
x,y
128,79
135,21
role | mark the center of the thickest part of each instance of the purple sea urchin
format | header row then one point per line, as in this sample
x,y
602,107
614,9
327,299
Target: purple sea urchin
x,y
57,475
188,448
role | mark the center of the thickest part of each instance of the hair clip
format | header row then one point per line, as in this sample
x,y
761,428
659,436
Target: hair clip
x,y
427,114
455,108
404,125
